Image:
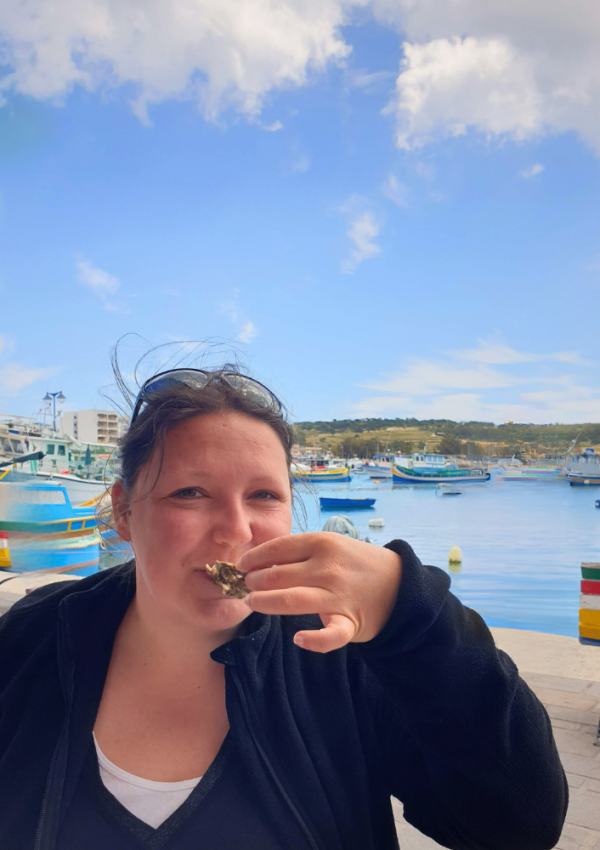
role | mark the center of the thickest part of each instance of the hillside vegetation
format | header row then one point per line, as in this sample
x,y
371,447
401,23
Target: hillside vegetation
x,y
365,437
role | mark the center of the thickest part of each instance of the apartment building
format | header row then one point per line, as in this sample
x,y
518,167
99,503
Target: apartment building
x,y
93,426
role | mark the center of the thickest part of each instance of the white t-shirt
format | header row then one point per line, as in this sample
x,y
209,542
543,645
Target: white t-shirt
x,y
150,801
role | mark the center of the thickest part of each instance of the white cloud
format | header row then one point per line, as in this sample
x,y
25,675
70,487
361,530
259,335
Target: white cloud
x,y
425,377
426,170
395,191
299,164
531,171
497,354
362,232
274,127
220,53
448,85
235,313
368,81
248,332
506,68
100,282
491,382
15,377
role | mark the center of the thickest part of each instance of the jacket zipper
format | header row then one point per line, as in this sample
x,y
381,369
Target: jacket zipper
x,y
270,767
50,777
67,695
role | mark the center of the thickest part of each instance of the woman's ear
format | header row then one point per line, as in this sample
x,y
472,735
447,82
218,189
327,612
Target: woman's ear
x,y
121,512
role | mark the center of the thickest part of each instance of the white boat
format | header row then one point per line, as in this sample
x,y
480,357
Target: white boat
x,y
379,464
80,490
64,460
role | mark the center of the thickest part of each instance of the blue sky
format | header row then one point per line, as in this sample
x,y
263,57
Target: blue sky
x,y
388,212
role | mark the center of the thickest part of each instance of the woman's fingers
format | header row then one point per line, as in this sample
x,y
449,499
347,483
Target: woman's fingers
x,y
339,630
281,576
280,550
291,601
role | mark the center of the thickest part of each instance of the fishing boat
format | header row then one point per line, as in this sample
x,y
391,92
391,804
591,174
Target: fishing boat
x,y
319,476
45,531
382,464
583,479
347,504
532,473
83,468
422,468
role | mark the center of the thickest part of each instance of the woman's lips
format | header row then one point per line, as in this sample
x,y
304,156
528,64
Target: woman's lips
x,y
204,578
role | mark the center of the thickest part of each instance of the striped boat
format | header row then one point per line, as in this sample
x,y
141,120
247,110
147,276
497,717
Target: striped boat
x,y
589,605
583,479
403,475
320,476
45,532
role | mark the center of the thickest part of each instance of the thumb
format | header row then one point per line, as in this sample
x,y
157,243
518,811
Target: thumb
x,y
339,630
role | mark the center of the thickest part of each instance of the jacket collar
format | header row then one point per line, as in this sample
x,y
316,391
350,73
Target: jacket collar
x,y
93,614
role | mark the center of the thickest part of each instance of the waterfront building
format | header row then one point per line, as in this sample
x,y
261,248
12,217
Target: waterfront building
x,y
93,426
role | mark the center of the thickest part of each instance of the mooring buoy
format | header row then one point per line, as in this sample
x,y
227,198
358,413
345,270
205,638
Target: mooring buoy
x,y
455,555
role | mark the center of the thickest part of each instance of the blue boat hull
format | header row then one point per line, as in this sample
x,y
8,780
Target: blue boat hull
x,y
346,504
583,480
79,556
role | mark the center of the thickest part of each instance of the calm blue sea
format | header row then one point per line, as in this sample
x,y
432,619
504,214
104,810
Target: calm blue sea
x,y
522,542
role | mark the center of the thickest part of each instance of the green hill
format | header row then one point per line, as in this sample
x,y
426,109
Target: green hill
x,y
365,437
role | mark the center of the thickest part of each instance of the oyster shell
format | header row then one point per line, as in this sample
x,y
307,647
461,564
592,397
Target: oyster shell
x,y
228,579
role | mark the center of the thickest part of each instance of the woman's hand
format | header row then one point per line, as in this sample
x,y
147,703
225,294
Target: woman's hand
x,y
351,585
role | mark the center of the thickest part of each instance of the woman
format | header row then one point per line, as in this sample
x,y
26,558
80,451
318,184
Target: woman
x,y
141,707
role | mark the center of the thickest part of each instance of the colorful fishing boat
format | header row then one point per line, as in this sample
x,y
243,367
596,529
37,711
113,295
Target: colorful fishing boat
x,y
532,473
45,531
320,476
347,504
422,468
583,479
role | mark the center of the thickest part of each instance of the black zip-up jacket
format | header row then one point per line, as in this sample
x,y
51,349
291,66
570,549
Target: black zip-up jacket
x,y
429,711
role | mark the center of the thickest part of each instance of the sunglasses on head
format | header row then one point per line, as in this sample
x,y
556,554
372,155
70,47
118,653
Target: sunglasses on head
x,y
198,379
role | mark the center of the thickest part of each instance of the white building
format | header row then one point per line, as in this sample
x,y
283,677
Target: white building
x,y
93,426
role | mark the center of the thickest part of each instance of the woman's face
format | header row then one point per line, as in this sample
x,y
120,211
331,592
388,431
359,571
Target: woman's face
x,y
223,489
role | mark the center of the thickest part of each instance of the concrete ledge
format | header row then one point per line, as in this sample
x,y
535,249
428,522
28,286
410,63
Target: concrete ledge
x,y
16,588
555,655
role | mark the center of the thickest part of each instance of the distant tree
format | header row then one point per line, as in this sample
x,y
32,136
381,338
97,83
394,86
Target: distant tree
x,y
450,445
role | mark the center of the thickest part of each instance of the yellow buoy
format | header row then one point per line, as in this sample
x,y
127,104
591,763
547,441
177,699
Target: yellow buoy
x,y
455,555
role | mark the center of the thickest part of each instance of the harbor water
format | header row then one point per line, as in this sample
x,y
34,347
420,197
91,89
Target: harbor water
x,y
522,541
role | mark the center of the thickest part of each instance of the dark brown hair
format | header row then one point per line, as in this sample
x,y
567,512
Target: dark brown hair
x,y
168,407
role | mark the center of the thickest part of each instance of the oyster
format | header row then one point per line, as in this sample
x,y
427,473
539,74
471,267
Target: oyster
x,y
228,579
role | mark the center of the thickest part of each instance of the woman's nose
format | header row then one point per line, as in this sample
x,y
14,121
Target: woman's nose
x,y
231,524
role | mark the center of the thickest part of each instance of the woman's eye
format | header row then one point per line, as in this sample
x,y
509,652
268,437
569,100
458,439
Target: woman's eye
x,y
265,494
188,493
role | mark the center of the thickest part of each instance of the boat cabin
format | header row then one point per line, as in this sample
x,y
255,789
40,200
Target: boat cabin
x,y
420,460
